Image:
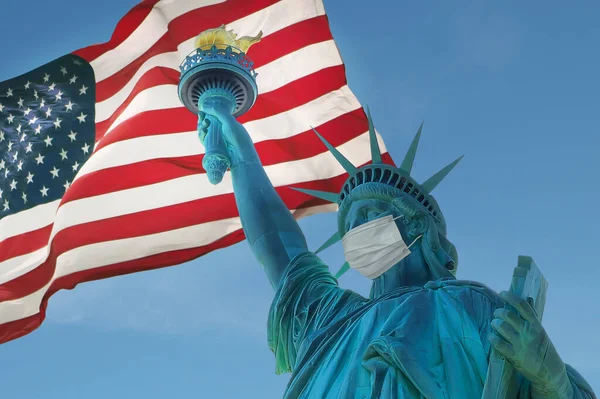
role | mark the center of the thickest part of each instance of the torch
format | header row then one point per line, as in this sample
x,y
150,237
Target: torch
x,y
218,67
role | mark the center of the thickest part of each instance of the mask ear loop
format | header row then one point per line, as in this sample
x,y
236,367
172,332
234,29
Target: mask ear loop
x,y
415,240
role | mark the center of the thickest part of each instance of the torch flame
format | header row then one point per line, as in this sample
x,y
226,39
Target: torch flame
x,y
222,38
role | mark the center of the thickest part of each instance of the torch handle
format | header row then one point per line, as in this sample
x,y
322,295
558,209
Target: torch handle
x,y
216,158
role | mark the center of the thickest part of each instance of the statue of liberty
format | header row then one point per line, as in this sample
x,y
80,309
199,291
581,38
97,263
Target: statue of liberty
x,y
421,333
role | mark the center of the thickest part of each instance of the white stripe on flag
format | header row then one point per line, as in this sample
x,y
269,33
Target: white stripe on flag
x,y
100,254
20,265
288,124
154,26
270,19
22,307
29,220
289,68
193,187
271,76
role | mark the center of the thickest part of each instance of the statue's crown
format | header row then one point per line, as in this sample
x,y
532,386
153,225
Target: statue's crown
x,y
379,172
223,46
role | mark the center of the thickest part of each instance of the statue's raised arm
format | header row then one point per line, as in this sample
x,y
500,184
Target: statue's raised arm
x,y
270,228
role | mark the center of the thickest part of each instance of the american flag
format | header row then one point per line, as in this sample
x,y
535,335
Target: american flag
x,y
100,164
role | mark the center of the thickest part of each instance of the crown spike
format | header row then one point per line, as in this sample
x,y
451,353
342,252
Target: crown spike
x,y
347,165
345,267
324,195
409,158
332,240
375,151
434,180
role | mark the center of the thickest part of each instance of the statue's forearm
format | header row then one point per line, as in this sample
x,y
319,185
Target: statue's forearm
x,y
571,386
271,230
564,392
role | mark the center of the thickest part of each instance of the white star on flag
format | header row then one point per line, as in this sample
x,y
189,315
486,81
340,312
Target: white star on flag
x,y
54,172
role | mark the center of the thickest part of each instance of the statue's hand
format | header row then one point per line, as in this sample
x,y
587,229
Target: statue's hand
x,y
219,107
520,337
239,144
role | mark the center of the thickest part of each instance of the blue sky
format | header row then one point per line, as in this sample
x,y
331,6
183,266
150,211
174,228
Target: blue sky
x,y
512,85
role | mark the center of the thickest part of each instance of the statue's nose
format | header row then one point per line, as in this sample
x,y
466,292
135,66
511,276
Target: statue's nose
x,y
372,215
363,217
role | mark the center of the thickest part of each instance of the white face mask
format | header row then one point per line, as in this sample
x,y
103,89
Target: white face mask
x,y
374,247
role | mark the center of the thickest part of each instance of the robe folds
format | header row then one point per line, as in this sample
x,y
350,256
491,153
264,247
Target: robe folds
x,y
413,342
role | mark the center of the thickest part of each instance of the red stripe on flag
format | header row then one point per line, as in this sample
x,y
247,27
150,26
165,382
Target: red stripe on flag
x,y
296,93
304,145
151,123
290,39
24,243
290,96
21,327
124,28
151,222
154,77
131,176
29,282
182,28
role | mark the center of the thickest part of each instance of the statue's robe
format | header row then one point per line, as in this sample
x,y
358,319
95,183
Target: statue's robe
x,y
413,342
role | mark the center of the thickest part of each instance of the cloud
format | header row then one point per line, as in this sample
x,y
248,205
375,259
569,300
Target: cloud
x,y
217,291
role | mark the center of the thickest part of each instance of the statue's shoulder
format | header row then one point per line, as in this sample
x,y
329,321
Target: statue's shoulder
x,y
467,288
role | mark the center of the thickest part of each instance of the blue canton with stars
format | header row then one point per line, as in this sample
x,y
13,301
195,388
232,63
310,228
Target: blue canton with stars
x,y
47,132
